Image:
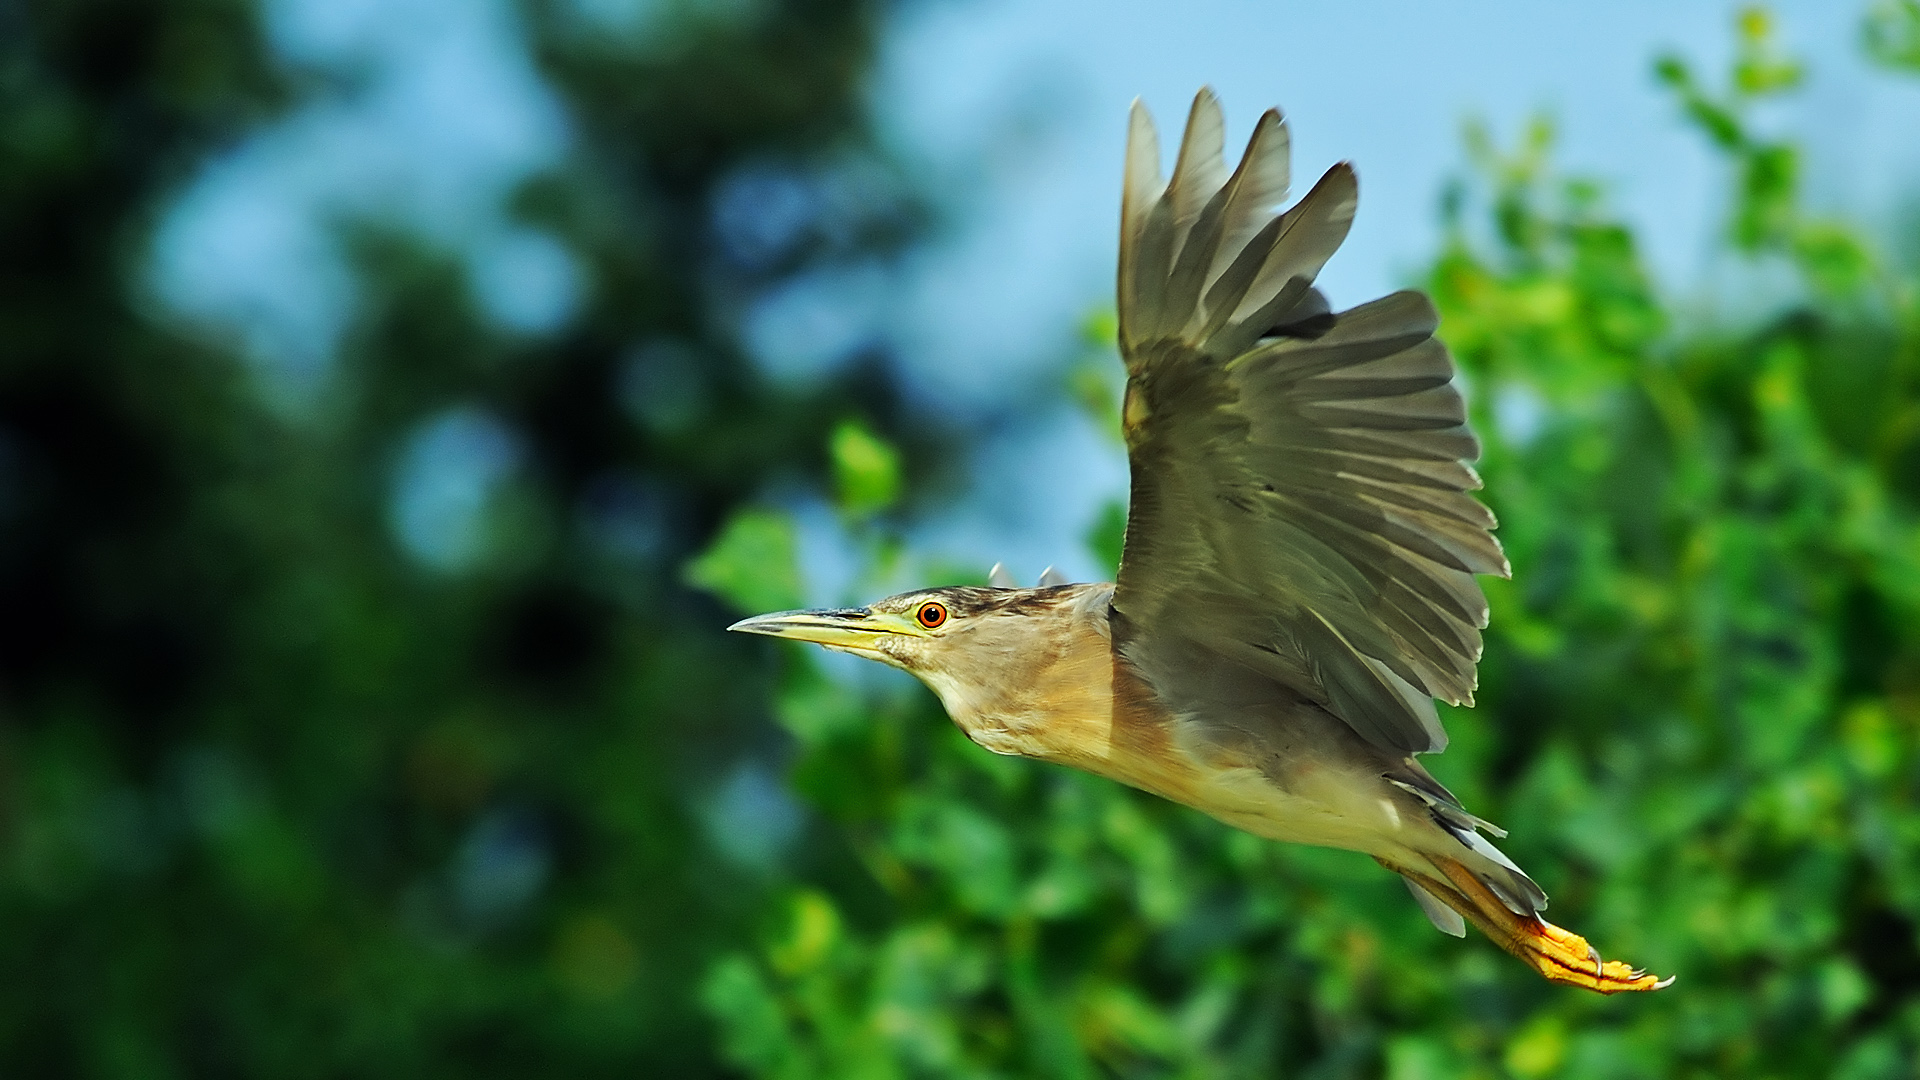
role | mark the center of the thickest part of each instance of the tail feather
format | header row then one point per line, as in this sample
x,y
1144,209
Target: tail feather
x,y
1444,919
1497,872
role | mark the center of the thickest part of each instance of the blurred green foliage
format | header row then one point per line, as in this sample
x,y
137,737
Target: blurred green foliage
x,y
1699,710
1891,34
279,798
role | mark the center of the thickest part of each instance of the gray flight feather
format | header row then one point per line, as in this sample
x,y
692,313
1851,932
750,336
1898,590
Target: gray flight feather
x,y
1300,477
1000,579
1051,577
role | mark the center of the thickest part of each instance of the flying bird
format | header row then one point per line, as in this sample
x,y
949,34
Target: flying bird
x,y
1298,581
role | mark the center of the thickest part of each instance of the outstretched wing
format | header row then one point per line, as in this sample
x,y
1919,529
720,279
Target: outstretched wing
x,y
1299,477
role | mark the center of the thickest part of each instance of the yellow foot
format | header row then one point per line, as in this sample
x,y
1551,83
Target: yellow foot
x,y
1565,957
1561,955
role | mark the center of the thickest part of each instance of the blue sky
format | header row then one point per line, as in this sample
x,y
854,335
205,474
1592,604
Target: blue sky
x,y
1021,106
1013,111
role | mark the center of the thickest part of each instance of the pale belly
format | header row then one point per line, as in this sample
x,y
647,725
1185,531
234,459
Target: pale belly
x,y
1320,814
1343,805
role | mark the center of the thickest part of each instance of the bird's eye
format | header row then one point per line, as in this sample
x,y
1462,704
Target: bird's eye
x,y
931,615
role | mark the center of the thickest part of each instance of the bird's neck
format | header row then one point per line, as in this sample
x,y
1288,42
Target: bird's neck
x,y
1055,693
1058,706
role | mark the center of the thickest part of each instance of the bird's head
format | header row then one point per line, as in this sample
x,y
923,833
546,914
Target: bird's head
x,y
917,631
975,647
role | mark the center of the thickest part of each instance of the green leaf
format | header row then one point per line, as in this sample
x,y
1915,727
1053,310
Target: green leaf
x,y
1891,34
866,469
815,709
812,936
1108,534
753,1030
1769,194
1834,259
1101,327
752,564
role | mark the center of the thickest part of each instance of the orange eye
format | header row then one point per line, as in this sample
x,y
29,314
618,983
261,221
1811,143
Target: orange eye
x,y
931,615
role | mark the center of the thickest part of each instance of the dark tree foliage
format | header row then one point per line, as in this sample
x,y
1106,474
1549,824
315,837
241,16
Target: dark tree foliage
x,y
276,799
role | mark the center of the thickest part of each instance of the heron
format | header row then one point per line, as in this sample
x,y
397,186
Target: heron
x,y
1298,580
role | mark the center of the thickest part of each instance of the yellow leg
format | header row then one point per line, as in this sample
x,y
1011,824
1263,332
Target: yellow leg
x,y
1561,955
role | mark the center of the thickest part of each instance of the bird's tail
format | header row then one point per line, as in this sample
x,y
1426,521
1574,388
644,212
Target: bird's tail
x,y
1490,897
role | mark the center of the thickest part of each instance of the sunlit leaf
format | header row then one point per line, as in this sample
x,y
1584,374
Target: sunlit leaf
x,y
866,470
751,564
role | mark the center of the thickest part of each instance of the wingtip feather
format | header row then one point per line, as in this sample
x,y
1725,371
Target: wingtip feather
x,y
1142,184
1201,167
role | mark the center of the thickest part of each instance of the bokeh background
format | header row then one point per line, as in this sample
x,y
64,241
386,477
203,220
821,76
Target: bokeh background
x,y
398,398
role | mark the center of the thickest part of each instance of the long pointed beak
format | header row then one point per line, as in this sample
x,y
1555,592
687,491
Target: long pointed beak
x,y
853,629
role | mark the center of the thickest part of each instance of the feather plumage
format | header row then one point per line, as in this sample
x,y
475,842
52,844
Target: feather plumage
x,y
1300,477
